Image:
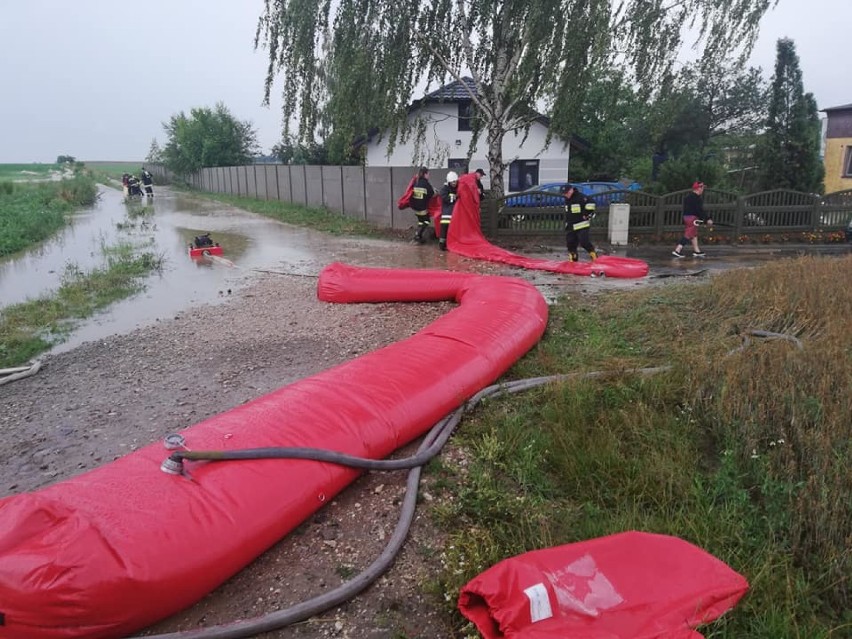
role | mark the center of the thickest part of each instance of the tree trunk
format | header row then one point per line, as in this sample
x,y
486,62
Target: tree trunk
x,y
495,158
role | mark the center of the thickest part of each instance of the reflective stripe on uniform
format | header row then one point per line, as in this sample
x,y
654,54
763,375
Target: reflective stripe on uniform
x,y
590,206
575,208
582,225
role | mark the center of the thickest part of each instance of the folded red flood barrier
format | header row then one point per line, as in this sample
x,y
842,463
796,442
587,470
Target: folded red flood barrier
x,y
113,550
465,238
631,585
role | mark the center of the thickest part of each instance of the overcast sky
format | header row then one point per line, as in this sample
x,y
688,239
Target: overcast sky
x,y
97,78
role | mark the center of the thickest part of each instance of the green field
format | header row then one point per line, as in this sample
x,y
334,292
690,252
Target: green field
x,y
26,171
116,169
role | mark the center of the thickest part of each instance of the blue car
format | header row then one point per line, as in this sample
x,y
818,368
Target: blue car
x,y
550,194
539,196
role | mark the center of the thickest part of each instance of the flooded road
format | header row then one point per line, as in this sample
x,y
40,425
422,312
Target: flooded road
x,y
164,227
254,244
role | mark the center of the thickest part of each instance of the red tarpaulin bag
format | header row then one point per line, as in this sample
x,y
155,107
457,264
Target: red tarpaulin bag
x,y
632,585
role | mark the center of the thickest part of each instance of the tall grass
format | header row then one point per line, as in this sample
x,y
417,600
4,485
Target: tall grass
x,y
746,455
30,213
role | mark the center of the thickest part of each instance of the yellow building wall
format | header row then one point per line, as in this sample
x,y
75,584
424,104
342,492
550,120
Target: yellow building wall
x,y
835,152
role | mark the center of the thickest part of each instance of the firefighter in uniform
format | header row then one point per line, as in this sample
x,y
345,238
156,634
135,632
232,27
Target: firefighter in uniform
x,y
148,182
449,197
579,213
421,193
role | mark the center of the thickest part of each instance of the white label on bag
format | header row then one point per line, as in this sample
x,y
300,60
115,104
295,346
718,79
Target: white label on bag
x,y
539,603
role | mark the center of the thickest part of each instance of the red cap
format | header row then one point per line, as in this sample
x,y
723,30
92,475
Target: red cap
x,y
697,185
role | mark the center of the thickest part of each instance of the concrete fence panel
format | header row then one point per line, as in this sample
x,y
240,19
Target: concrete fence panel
x,y
332,188
354,193
314,186
243,180
251,181
231,182
380,200
260,182
298,185
283,183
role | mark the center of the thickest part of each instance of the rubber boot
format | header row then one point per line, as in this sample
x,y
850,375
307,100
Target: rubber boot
x,y
593,255
418,237
572,257
442,244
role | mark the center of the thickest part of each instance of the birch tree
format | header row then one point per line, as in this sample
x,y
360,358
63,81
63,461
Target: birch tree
x,y
350,66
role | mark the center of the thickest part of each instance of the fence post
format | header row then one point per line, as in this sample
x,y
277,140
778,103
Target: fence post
x,y
660,216
739,216
490,216
815,208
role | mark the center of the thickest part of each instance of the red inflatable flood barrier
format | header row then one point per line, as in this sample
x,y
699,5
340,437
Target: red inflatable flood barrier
x,y
465,238
113,550
631,585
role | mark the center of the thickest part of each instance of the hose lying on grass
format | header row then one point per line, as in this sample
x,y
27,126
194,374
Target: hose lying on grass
x,y
431,445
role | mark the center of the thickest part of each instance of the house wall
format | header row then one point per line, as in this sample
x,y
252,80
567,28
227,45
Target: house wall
x,y
443,141
839,124
835,153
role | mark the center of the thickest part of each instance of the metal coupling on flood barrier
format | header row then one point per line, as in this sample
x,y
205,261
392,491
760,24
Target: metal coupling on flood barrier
x,y
172,465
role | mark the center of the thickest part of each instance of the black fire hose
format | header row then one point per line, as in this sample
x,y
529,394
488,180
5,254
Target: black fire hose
x,y
429,448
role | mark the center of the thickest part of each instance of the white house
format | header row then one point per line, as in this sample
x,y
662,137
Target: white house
x,y
444,116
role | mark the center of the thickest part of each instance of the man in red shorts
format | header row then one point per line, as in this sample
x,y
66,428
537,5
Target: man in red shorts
x,y
693,215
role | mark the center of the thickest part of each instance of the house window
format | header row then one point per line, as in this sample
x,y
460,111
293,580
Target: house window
x,y
459,165
847,162
465,114
523,174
